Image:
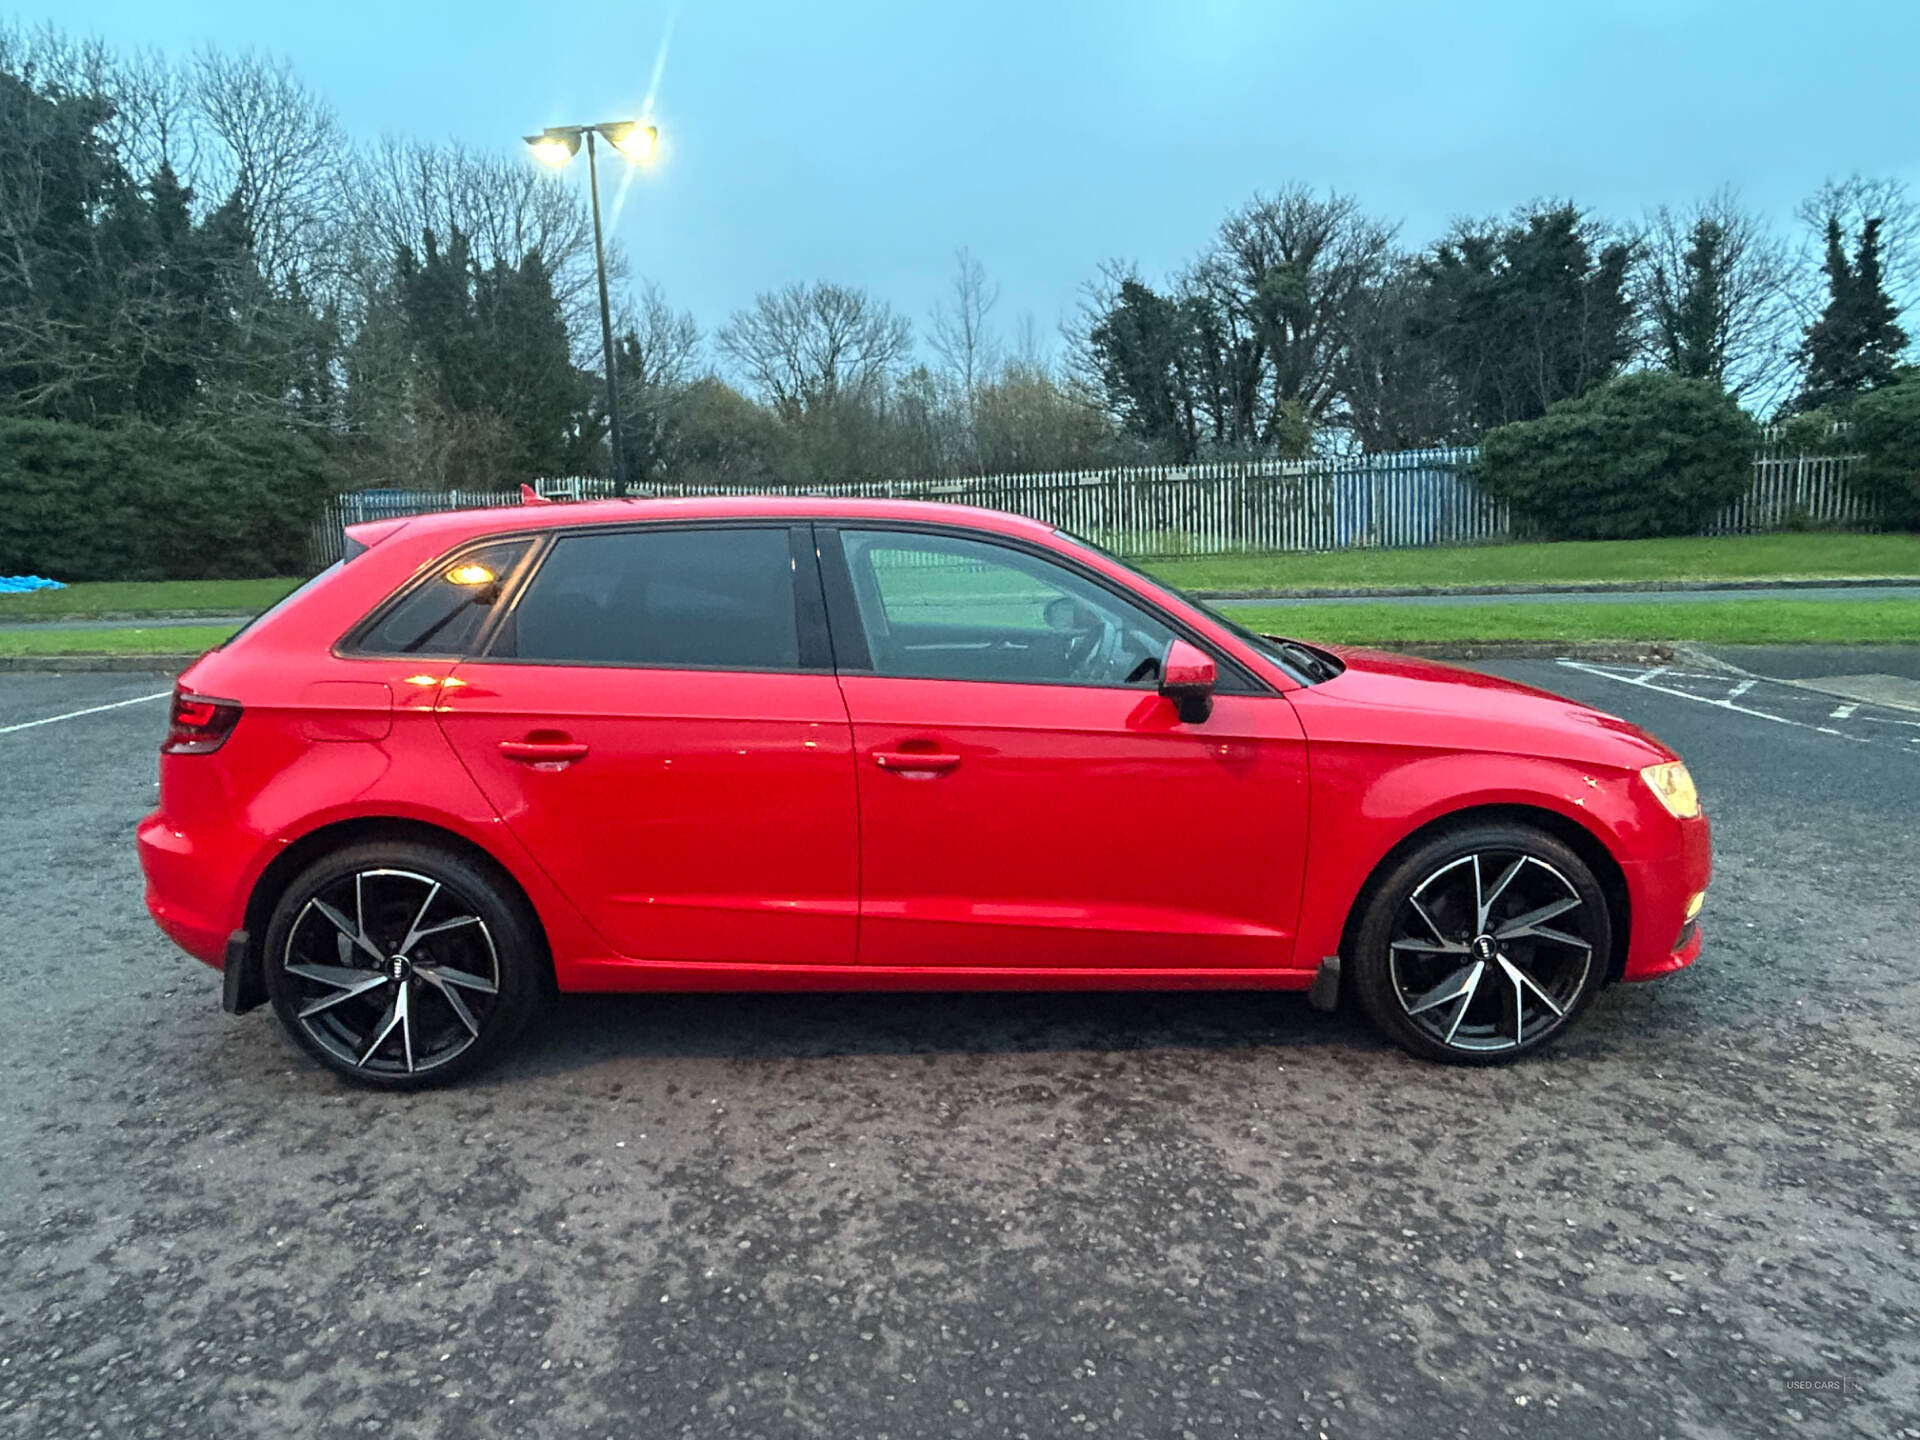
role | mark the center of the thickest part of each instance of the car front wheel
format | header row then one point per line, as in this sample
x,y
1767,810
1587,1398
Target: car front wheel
x,y
401,966
1482,944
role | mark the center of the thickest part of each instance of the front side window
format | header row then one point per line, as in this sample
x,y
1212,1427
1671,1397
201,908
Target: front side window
x,y
950,608
720,598
445,611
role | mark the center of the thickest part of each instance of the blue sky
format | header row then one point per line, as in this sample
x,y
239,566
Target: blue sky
x,y
863,141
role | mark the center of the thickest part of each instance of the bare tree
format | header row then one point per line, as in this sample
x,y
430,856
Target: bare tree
x,y
157,120
1716,293
1026,420
1285,278
807,346
47,58
1854,201
1031,352
663,344
281,150
659,349
506,208
50,356
960,336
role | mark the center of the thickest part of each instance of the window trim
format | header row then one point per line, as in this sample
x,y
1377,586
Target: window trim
x,y
843,610
812,637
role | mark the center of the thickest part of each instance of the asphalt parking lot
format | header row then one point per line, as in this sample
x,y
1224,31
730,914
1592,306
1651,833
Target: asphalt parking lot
x,y
1166,1216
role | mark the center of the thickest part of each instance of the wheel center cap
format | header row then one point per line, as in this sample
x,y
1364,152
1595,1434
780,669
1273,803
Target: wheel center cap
x,y
1484,948
399,968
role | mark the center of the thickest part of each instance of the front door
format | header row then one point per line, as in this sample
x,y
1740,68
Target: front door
x,y
663,733
1027,798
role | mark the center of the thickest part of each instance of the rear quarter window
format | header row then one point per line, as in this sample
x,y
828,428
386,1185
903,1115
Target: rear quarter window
x,y
444,611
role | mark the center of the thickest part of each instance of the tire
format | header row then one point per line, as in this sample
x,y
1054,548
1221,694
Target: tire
x,y
1482,944
400,966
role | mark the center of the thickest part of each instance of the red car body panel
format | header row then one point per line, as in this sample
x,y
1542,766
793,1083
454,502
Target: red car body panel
x,y
1400,743
1077,827
736,830
712,817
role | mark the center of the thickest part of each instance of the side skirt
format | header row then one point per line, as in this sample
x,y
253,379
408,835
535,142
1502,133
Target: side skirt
x,y
602,976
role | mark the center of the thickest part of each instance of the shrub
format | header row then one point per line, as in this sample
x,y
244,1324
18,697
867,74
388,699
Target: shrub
x,y
1647,454
1813,432
137,502
1884,430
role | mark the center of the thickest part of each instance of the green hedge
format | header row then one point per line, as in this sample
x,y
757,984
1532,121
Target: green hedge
x,y
1647,454
136,502
1884,430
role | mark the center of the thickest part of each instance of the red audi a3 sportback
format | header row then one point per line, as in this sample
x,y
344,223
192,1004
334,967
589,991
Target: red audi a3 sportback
x,y
801,744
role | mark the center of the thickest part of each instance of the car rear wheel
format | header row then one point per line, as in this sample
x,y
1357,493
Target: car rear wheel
x,y
1482,944
401,966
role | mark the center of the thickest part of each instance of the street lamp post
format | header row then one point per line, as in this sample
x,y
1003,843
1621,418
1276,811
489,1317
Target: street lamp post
x,y
555,146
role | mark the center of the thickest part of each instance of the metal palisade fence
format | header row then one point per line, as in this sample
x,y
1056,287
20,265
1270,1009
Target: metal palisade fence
x,y
1795,490
1403,500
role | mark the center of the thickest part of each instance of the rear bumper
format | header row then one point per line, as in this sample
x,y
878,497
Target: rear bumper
x,y
1663,940
188,907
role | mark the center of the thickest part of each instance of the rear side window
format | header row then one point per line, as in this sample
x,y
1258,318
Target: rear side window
x,y
720,598
444,613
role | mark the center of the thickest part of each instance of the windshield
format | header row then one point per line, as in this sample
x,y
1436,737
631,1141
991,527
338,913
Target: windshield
x,y
1307,663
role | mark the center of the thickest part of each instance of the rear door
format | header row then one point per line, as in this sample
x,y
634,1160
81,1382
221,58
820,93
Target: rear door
x,y
658,721
1027,797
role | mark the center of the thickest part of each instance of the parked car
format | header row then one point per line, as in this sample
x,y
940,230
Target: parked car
x,y
805,744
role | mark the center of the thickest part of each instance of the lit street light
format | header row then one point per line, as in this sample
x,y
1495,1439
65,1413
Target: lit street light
x,y
555,146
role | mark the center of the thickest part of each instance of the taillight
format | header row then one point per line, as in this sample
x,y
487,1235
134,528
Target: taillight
x,y
199,725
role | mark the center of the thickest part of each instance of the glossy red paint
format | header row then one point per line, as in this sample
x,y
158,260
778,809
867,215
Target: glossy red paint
x,y
698,816
1075,827
703,829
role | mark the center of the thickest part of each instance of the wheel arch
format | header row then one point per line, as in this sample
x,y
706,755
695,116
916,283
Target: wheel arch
x,y
1583,842
336,835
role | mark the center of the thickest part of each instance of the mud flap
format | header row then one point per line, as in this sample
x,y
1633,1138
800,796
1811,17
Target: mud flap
x,y
242,986
1324,993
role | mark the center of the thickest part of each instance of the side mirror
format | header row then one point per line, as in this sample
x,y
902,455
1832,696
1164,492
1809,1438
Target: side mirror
x,y
1187,678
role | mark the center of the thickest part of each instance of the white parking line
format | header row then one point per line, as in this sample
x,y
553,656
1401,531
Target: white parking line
x,y
1645,683
90,710
1740,689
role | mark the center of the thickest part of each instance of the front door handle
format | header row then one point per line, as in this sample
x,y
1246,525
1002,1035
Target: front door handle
x,y
909,762
544,752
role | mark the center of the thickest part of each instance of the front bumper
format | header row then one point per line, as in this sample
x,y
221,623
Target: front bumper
x,y
1663,939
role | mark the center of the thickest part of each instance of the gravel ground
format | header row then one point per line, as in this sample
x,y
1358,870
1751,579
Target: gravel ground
x,y
1165,1216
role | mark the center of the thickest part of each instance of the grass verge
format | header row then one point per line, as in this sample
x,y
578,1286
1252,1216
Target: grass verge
x,y
146,597
164,640
1805,556
1727,622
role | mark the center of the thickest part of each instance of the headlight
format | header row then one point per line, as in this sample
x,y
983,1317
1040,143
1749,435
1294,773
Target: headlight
x,y
1674,786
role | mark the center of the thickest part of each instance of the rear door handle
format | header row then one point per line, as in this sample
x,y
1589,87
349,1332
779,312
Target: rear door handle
x,y
911,761
544,752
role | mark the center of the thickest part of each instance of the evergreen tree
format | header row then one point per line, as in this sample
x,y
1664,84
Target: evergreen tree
x,y
1855,345
496,385
61,192
1688,308
1524,314
1144,348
